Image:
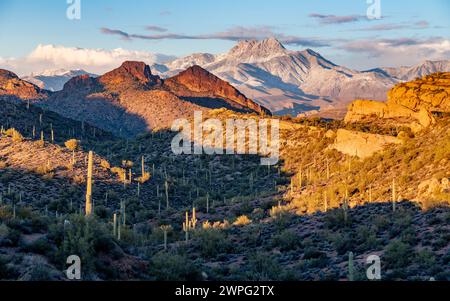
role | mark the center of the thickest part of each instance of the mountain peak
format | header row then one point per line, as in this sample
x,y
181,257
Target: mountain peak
x,y
131,71
254,50
137,69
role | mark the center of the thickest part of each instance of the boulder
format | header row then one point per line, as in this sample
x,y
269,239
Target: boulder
x,y
361,144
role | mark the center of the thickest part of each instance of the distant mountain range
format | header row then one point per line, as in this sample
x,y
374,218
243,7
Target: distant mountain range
x,y
54,80
292,82
284,81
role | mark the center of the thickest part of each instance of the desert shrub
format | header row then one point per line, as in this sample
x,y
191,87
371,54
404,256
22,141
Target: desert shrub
x,y
211,242
242,220
426,258
170,267
72,144
343,242
6,272
105,164
262,267
15,135
78,239
398,254
39,272
335,219
120,172
287,240
41,246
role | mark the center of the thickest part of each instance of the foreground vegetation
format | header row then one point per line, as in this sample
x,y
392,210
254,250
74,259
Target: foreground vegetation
x,y
298,220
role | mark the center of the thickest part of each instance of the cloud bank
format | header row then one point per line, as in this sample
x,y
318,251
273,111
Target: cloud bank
x,y
45,57
397,52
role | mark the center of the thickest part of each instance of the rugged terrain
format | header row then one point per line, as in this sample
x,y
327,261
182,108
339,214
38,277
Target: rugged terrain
x,y
130,99
298,220
294,82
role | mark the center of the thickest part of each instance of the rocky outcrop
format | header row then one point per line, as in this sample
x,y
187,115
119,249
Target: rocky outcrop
x,y
360,144
11,86
432,93
412,103
130,73
81,82
366,110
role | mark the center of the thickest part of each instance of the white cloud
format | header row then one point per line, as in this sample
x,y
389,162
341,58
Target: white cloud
x,y
395,52
45,57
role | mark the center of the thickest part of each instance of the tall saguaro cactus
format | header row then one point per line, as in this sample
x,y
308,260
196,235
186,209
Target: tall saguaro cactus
x,y
166,188
351,270
115,224
166,229
89,185
187,226
393,195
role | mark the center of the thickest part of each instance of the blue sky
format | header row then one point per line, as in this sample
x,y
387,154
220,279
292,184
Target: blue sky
x,y
410,31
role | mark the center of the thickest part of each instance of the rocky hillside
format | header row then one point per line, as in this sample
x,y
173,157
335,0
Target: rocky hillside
x,y
130,99
198,85
410,104
289,222
11,86
432,92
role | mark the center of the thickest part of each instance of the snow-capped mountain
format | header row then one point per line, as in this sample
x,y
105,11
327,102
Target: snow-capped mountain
x,y
54,80
411,73
293,82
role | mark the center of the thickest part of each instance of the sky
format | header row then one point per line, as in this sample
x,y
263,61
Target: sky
x,y
51,34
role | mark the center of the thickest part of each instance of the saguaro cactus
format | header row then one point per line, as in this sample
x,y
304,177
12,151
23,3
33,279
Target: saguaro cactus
x,y
351,272
115,224
89,185
194,218
142,167
123,212
345,206
166,187
393,195
187,226
166,229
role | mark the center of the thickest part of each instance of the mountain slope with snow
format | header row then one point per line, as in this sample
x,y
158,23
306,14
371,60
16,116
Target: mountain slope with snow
x,y
418,71
54,80
293,82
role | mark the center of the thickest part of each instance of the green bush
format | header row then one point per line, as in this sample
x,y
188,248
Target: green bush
x,y
398,254
171,267
287,240
211,242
